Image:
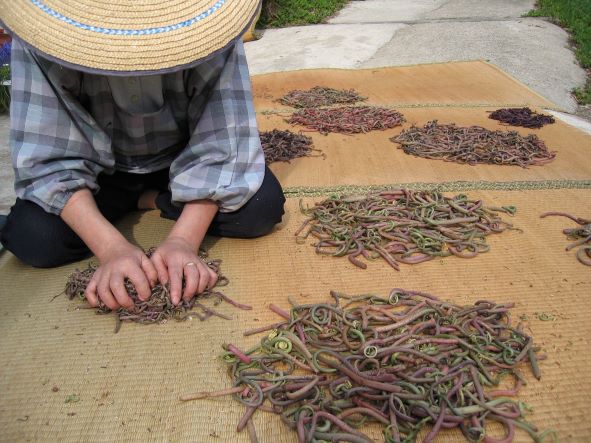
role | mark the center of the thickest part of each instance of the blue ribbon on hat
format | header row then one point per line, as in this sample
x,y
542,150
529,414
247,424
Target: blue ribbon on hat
x,y
113,31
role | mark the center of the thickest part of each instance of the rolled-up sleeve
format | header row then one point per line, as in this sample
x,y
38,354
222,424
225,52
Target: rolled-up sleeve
x,y
223,160
51,156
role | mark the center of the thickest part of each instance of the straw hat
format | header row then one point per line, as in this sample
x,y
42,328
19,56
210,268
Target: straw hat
x,y
127,36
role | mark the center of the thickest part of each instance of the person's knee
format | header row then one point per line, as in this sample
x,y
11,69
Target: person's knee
x,y
40,239
261,227
167,209
258,217
268,206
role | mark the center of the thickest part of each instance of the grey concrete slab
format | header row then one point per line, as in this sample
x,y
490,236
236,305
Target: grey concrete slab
x,y
319,46
7,195
417,11
375,11
495,9
532,50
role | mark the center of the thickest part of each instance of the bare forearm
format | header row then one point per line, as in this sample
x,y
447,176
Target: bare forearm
x,y
194,222
85,219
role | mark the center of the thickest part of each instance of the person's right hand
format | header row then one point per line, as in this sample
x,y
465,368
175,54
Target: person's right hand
x,y
117,264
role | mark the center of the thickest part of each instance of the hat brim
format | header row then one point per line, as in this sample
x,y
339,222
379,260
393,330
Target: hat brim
x,y
131,37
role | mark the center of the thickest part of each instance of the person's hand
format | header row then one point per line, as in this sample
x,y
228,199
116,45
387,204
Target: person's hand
x,y
108,282
175,259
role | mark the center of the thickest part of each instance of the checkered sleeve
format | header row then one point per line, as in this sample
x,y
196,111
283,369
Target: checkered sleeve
x,y
223,160
51,156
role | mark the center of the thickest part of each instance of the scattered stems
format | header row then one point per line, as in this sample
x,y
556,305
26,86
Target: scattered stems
x,y
534,363
239,354
200,395
320,96
404,362
402,226
252,433
246,418
304,390
544,316
584,255
263,329
277,310
284,146
473,145
582,236
347,119
524,117
158,308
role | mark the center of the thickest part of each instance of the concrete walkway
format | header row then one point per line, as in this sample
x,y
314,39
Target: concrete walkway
x,y
374,33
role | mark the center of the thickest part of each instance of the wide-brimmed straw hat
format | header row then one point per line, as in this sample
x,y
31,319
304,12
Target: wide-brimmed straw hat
x,y
127,36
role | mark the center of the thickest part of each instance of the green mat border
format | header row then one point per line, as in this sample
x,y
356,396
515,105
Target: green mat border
x,y
288,110
315,191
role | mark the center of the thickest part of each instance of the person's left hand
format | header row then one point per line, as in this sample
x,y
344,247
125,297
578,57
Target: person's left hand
x,y
175,259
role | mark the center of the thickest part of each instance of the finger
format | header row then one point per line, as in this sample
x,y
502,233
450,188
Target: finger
x,y
105,294
175,273
160,266
90,292
213,278
150,271
117,286
203,278
139,280
191,281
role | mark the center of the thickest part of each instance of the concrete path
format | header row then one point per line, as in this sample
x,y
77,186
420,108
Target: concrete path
x,y
374,33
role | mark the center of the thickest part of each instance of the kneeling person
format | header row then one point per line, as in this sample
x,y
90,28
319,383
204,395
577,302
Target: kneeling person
x,y
134,117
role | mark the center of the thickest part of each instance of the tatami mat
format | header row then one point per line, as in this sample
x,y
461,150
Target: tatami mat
x,y
372,159
128,384
452,84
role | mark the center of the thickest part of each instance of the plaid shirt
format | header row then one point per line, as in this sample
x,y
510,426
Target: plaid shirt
x,y
66,128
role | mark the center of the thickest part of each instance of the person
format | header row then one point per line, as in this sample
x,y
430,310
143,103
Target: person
x,y
127,106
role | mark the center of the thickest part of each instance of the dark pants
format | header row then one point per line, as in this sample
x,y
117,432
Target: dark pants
x,y
44,240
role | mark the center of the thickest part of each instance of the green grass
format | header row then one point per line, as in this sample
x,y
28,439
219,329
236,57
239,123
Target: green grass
x,y
583,94
575,16
282,13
